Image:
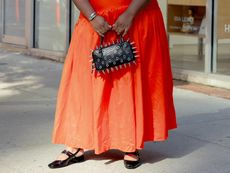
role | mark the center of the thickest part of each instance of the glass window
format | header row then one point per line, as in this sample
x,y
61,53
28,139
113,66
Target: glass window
x,y
51,24
223,37
186,27
14,18
1,9
223,56
187,53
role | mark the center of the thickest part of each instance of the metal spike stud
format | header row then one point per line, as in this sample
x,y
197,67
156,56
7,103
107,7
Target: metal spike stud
x,y
135,51
125,65
129,64
113,42
103,71
134,62
116,68
134,47
107,70
132,43
112,69
91,60
120,66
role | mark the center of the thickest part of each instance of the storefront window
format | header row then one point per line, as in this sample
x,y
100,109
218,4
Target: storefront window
x,y
14,18
187,53
1,9
186,27
51,24
223,37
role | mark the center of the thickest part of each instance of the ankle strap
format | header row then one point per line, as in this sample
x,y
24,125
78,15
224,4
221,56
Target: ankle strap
x,y
68,153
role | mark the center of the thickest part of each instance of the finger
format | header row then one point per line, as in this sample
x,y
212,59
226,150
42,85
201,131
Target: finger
x,y
107,26
114,26
120,30
110,26
125,32
102,30
100,33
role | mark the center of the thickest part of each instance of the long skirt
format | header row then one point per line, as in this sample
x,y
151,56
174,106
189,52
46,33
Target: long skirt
x,y
125,108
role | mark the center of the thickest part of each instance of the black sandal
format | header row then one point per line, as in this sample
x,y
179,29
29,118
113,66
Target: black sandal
x,y
70,160
130,164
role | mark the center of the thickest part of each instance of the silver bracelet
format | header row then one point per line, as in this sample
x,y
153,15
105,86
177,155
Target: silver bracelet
x,y
92,16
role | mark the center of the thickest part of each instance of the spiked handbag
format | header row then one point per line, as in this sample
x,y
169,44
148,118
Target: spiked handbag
x,y
116,55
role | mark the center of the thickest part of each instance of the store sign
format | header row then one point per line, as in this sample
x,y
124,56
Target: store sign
x,y
186,19
227,28
223,19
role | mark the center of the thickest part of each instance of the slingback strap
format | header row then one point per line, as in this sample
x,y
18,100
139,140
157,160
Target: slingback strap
x,y
68,153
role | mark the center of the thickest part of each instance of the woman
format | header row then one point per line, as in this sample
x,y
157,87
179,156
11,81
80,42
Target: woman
x,y
125,108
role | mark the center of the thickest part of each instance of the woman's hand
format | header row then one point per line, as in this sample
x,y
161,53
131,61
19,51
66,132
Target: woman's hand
x,y
123,23
100,25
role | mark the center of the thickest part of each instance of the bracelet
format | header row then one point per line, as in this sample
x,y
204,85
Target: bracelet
x,y
92,16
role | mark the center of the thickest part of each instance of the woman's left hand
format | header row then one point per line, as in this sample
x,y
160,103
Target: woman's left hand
x,y
123,23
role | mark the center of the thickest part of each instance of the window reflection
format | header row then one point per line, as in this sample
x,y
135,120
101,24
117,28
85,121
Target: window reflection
x,y
51,24
223,37
187,52
14,18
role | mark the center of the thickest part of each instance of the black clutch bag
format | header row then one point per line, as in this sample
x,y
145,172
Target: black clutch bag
x,y
111,56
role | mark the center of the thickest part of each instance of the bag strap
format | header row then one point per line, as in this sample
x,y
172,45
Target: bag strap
x,y
102,38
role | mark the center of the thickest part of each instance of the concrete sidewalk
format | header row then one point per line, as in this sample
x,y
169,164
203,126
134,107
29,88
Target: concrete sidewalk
x,y
28,88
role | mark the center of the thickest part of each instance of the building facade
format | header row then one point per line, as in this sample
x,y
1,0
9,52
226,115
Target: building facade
x,y
198,32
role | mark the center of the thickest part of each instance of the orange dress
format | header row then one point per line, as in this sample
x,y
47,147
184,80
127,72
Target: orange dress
x,y
125,108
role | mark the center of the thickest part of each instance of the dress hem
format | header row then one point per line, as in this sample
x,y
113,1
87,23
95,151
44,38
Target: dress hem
x,y
105,149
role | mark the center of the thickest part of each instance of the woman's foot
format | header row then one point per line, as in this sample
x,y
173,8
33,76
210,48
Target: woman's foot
x,y
132,160
68,156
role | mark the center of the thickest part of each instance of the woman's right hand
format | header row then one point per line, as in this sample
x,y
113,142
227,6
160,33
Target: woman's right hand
x,y
100,25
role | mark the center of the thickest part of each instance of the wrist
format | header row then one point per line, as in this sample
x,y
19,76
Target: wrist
x,y
130,13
